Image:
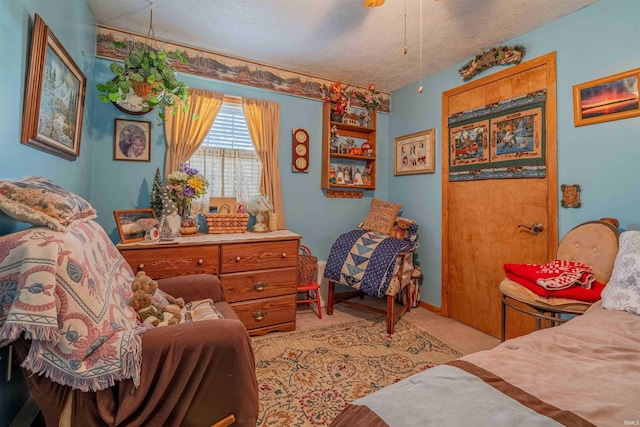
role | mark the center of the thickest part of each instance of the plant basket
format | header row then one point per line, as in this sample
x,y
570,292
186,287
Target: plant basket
x,y
307,265
142,89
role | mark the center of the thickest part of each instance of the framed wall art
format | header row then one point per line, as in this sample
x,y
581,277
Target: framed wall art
x,y
132,140
609,98
415,153
54,101
133,223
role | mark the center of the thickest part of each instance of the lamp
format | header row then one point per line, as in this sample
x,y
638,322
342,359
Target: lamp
x,y
259,206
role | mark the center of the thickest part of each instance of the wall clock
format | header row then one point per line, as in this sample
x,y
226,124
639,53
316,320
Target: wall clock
x,y
300,151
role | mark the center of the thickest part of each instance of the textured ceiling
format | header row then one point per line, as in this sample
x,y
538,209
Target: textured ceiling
x,y
339,39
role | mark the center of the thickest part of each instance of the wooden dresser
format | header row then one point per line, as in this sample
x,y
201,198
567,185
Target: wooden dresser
x,y
258,271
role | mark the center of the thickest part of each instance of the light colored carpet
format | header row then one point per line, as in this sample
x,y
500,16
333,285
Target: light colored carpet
x,y
306,377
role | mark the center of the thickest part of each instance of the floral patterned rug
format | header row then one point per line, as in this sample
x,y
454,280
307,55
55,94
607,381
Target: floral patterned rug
x,y
306,378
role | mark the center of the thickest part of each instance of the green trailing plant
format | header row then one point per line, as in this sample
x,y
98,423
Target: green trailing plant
x,y
152,67
156,194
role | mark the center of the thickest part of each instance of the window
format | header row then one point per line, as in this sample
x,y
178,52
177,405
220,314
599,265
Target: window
x,y
227,157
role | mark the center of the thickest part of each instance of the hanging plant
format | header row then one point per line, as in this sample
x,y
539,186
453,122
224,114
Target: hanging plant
x,y
151,76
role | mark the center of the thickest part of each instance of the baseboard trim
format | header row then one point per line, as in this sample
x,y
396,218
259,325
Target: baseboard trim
x,y
430,307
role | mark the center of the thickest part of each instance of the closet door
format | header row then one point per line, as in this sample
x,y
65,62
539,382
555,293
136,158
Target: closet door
x,y
481,218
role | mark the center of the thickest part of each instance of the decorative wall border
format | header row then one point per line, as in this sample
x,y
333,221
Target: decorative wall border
x,y
225,67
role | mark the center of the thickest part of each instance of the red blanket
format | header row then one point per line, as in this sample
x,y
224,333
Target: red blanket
x,y
531,275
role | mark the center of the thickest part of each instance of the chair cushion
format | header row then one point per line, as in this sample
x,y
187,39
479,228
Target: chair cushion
x,y
38,201
382,216
623,290
518,292
593,243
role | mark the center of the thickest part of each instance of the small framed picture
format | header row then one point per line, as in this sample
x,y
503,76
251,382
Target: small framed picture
x,y
415,153
133,224
609,98
132,140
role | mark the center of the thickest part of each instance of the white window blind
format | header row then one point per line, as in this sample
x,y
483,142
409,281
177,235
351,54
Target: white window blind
x,y
227,157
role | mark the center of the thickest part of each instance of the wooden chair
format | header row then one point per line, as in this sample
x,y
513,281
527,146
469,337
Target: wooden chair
x,y
306,269
404,284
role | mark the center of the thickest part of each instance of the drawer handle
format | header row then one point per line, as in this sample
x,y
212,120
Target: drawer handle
x,y
141,267
238,258
284,254
200,261
259,315
259,286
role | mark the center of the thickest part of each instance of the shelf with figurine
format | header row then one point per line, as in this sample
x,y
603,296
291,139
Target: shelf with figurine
x,y
348,150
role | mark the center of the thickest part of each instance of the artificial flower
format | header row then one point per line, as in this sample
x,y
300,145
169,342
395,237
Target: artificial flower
x,y
186,184
369,99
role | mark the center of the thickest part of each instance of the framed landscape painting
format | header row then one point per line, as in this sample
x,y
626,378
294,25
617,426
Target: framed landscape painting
x,y
54,101
609,98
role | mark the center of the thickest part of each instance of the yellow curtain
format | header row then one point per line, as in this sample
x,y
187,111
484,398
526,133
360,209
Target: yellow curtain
x,y
263,121
184,133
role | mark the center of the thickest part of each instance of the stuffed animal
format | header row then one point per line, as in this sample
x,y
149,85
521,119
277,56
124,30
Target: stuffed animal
x,y
148,313
401,229
151,303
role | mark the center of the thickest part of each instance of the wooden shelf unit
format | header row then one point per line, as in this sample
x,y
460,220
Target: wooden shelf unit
x,y
347,130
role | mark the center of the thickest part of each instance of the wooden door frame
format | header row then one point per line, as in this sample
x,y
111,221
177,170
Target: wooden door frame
x,y
551,153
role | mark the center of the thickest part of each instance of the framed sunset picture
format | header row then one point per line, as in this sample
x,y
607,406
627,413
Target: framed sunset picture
x,y
609,98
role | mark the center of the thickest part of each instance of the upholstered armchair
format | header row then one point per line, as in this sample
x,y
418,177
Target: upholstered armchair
x,y
88,360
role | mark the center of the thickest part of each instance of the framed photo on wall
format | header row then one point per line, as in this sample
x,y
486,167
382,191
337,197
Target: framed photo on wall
x,y
132,223
415,153
54,101
609,98
132,140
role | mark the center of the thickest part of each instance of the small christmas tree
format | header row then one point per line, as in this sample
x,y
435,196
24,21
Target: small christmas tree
x,y
156,194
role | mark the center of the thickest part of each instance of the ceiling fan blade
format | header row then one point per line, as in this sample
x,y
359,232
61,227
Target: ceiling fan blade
x,y
373,3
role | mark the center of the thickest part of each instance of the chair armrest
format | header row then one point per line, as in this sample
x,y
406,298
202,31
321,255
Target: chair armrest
x,y
193,287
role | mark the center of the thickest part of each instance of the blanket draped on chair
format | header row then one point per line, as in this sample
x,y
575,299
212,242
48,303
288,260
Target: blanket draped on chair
x,y
365,260
68,293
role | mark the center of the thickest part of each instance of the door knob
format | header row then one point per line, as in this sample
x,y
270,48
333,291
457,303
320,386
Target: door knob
x,y
536,227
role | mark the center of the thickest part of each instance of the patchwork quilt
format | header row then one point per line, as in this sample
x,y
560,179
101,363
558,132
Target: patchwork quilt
x,y
365,260
69,293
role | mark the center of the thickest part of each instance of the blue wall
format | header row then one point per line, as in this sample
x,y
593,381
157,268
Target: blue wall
x,y
126,185
73,24
597,41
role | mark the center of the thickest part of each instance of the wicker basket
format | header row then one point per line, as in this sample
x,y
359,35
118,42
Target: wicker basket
x,y
307,265
220,223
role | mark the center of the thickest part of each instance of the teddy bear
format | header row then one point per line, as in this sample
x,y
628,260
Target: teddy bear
x,y
142,302
156,303
401,228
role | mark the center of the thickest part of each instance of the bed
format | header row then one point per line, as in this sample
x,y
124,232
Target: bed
x,y
584,372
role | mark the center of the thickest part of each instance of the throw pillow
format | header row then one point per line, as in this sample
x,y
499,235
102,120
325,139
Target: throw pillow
x,y
623,290
38,201
382,216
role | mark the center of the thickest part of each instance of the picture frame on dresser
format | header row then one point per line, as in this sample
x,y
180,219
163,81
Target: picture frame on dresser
x,y
131,223
54,99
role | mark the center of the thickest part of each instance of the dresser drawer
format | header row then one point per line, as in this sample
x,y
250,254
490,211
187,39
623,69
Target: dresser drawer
x,y
259,256
159,263
259,284
266,312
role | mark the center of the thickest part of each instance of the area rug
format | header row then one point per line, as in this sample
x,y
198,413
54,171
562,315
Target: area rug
x,y
306,378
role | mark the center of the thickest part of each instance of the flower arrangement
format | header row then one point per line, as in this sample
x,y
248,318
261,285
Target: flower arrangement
x,y
369,99
337,95
186,184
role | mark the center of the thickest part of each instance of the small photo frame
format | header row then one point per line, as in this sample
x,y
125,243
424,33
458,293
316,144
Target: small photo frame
x,y
609,98
132,140
415,153
54,101
129,224
570,196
